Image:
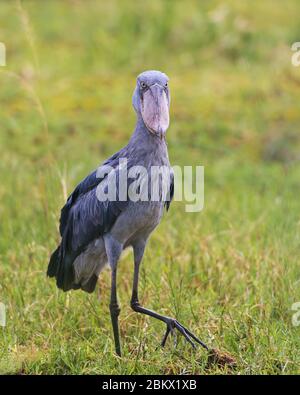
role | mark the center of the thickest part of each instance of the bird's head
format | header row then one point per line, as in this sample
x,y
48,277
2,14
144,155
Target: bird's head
x,y
151,101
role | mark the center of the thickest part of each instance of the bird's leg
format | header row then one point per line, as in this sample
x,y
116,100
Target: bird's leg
x,y
171,323
115,310
113,250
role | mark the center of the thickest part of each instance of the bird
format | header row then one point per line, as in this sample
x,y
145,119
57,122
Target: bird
x,y
95,231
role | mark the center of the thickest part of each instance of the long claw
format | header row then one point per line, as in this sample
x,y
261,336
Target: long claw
x,y
183,332
165,336
194,337
187,334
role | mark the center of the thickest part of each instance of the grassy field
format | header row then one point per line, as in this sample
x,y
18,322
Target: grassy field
x,y
231,272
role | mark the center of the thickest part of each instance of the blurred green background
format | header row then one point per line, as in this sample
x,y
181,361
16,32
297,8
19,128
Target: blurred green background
x,y
230,272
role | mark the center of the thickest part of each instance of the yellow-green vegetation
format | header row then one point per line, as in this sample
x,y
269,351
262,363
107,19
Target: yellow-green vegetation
x,y
231,272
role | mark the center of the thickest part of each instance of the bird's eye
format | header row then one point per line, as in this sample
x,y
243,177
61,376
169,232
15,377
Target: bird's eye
x,y
143,85
166,84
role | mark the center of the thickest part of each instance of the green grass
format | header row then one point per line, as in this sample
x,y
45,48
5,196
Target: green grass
x,y
230,272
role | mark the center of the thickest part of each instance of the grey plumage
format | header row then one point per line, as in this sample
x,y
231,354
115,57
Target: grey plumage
x,y
95,232
85,220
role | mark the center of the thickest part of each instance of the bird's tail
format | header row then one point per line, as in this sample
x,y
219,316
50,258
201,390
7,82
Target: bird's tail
x,y
62,270
54,263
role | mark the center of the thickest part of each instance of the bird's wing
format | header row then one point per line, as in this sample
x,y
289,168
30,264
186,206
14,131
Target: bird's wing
x,y
90,182
88,218
83,187
170,194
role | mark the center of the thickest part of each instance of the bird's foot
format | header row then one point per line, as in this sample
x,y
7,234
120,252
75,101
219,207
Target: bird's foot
x,y
172,325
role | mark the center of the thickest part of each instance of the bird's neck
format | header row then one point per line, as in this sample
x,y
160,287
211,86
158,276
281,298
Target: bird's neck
x,y
143,138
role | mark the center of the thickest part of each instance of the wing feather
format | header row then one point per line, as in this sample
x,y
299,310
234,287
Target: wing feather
x,y
170,195
83,219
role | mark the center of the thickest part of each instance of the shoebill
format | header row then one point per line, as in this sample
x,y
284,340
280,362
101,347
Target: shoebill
x,y
94,231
